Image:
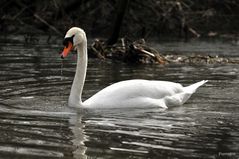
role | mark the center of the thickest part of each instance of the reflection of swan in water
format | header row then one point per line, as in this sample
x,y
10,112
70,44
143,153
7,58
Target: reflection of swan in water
x,y
79,137
131,93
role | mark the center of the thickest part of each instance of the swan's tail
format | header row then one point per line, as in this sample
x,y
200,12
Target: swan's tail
x,y
181,98
192,88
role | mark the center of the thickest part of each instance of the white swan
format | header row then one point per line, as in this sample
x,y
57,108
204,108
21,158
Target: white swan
x,y
130,93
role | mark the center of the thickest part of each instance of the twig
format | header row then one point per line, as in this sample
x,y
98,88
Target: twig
x,y
146,52
123,43
19,13
49,25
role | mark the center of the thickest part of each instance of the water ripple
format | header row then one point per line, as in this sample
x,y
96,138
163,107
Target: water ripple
x,y
35,121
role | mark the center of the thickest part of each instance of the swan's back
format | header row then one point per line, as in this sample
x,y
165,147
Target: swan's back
x,y
137,93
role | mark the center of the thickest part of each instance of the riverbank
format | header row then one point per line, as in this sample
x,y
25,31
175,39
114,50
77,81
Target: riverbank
x,y
197,51
142,19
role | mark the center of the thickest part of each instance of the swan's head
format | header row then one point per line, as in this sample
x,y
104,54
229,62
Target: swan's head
x,y
73,38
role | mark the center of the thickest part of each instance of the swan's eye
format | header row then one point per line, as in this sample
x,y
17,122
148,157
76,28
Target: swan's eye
x,y
67,40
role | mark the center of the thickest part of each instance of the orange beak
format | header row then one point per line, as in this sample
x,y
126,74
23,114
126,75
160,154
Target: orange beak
x,y
66,50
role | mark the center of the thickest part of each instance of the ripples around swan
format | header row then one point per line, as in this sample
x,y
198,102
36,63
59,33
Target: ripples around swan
x,y
35,121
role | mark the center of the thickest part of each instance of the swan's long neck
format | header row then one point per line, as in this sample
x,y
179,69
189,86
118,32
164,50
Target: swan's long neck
x,y
79,80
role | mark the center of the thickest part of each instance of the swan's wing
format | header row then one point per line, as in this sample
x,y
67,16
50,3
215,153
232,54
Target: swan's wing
x,y
134,92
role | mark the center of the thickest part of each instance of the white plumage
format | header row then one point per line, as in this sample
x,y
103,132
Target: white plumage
x,y
142,93
130,93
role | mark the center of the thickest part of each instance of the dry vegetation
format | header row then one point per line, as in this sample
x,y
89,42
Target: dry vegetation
x,y
142,18
131,19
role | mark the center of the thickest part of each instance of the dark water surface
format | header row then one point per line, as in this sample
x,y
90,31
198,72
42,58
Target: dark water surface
x,y
35,121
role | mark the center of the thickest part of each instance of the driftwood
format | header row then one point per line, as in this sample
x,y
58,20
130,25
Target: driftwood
x,y
127,51
198,59
139,52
